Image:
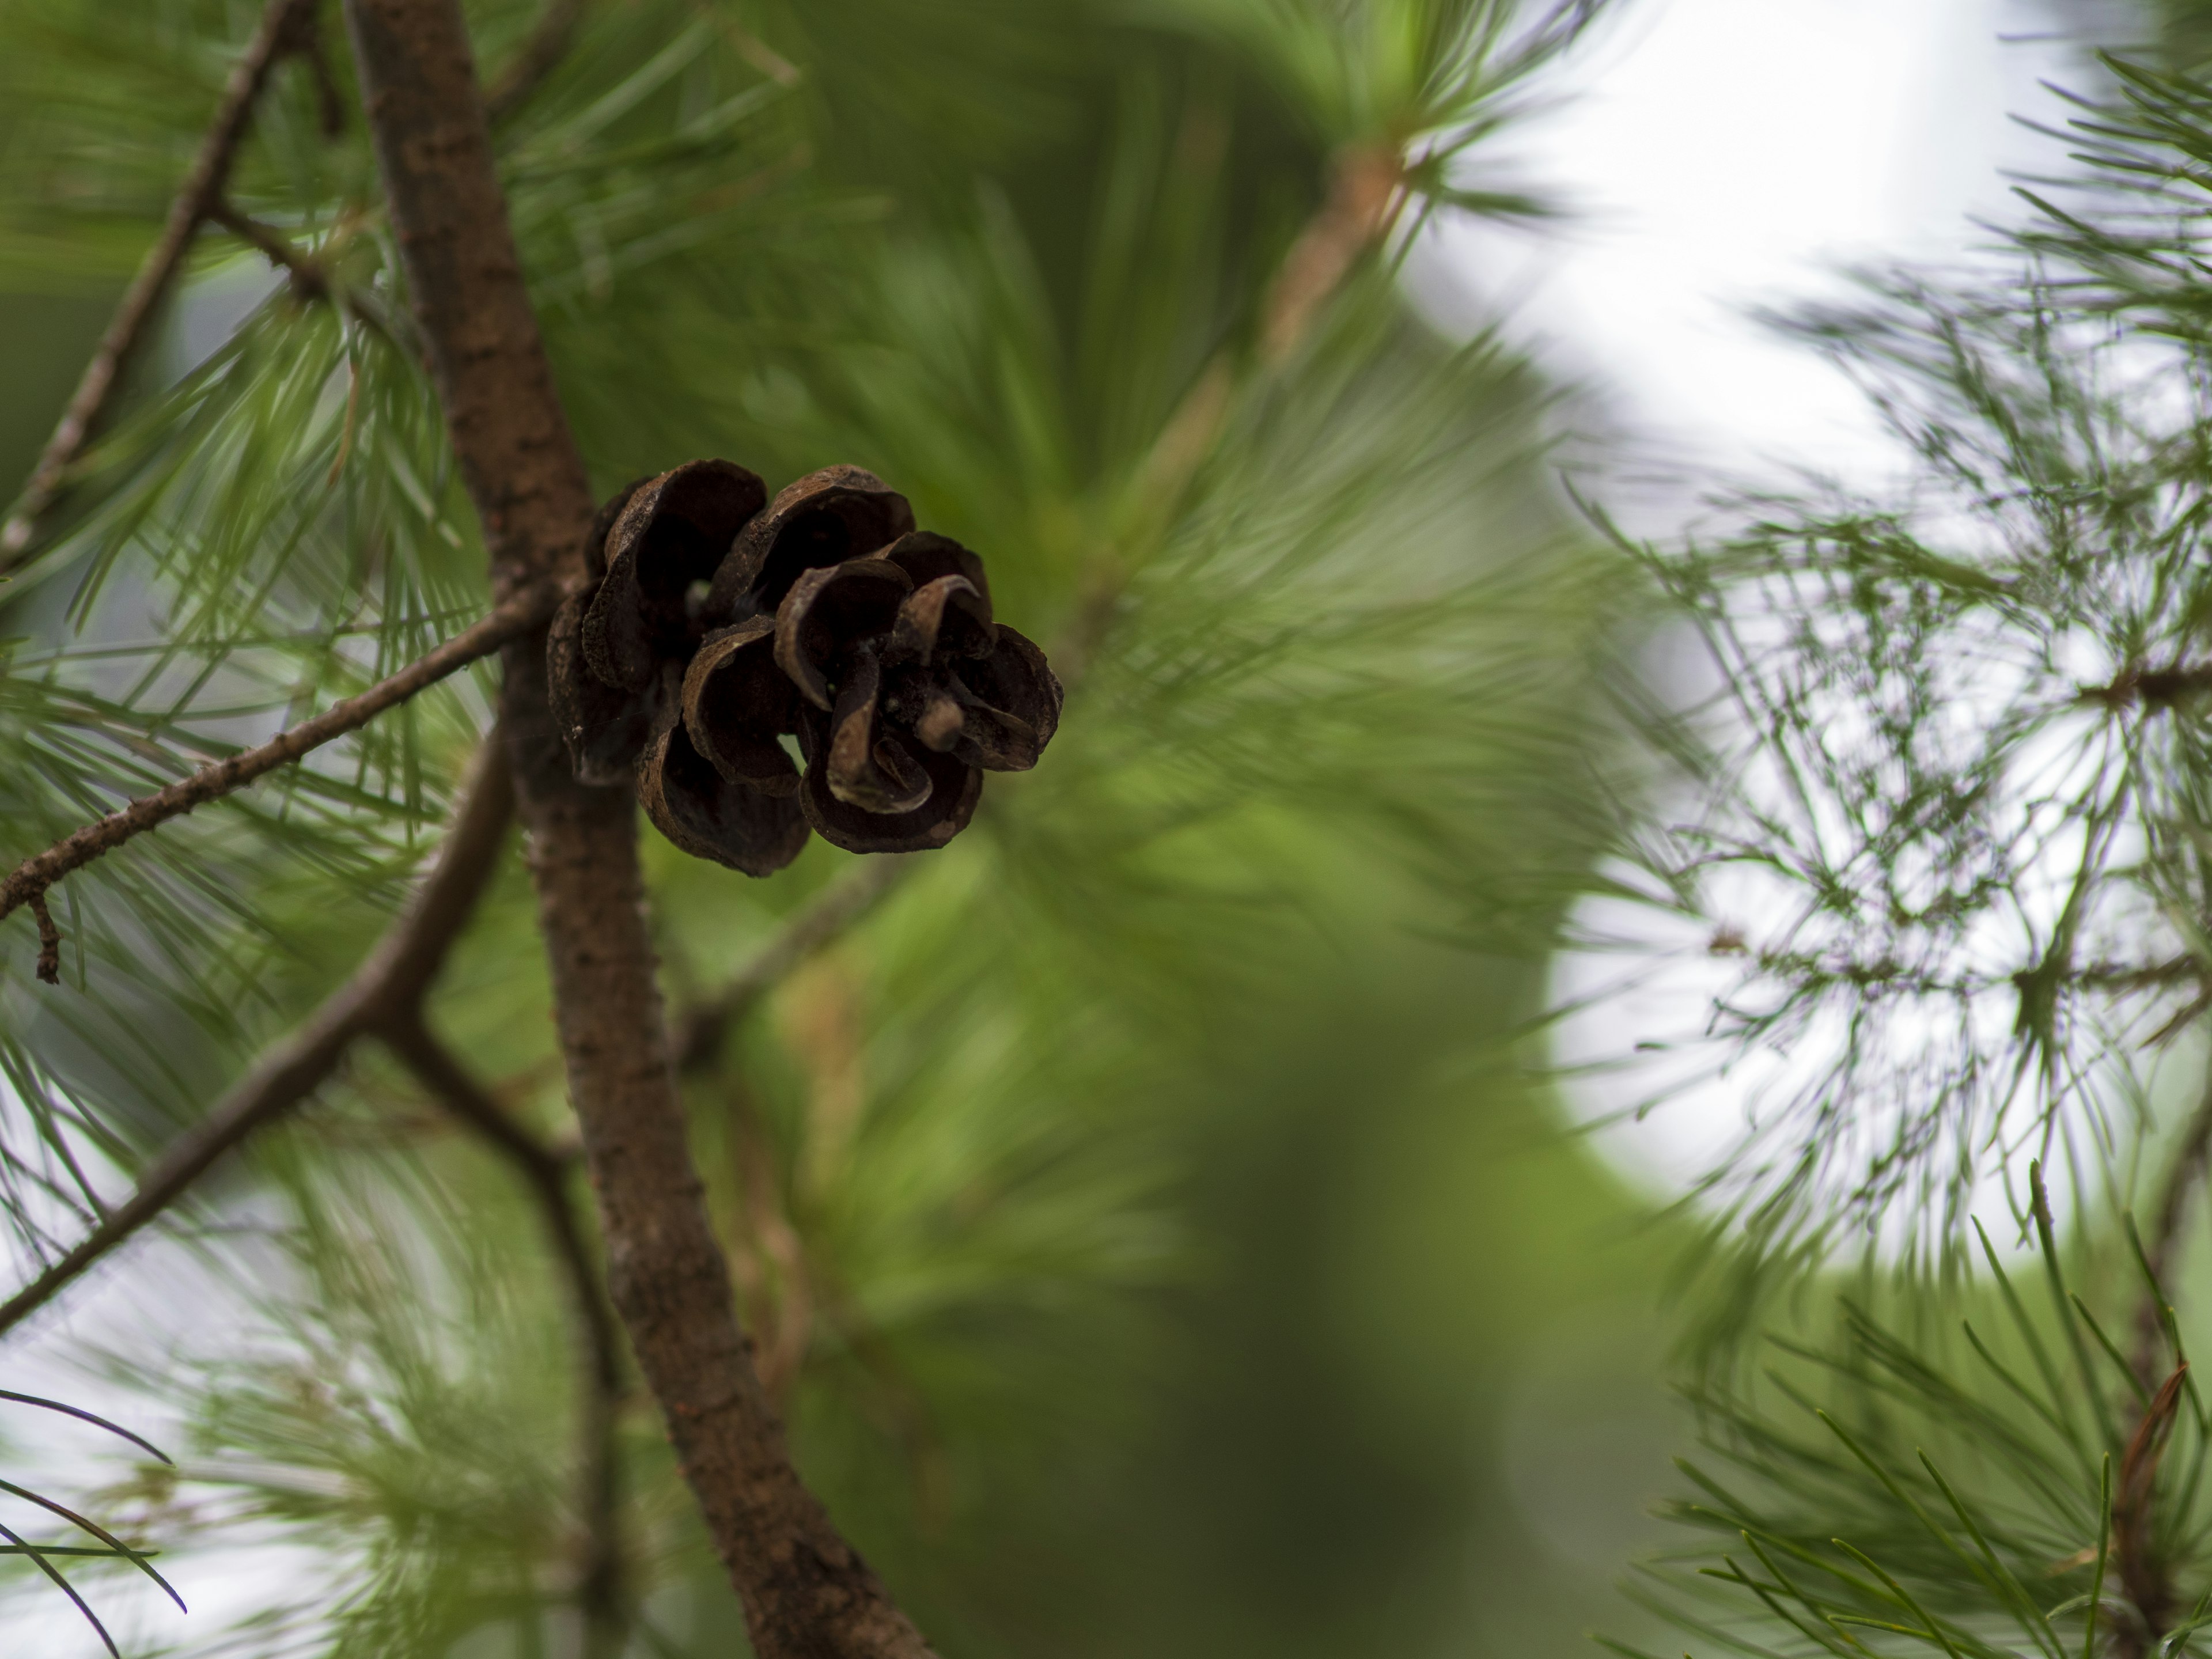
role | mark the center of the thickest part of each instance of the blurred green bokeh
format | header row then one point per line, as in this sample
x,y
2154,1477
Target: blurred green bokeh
x,y
1360,1351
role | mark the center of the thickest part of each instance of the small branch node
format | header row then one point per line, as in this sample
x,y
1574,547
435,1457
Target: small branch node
x,y
50,940
309,281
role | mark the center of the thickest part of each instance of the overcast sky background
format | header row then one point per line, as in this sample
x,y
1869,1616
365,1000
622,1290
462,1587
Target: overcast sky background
x,y
1718,154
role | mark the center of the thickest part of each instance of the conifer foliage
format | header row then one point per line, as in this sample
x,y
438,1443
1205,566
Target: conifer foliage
x,y
299,637
1950,841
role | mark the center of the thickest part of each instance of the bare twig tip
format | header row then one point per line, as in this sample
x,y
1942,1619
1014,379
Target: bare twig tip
x,y
50,940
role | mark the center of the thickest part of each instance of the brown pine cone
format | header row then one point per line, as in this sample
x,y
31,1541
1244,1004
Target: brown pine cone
x,y
839,624
900,687
652,548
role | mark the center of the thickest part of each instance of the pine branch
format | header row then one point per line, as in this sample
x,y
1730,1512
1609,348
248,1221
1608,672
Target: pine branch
x,y
2143,1571
308,280
50,940
388,985
1366,188
288,27
599,1591
2155,688
806,1591
523,611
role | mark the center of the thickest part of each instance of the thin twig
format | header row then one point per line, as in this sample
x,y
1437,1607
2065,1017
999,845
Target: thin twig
x,y
540,55
1366,189
599,1593
2154,688
2143,1570
50,940
516,616
287,26
780,1319
394,977
309,281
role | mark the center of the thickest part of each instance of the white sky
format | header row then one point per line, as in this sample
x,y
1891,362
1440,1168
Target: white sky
x,y
1720,155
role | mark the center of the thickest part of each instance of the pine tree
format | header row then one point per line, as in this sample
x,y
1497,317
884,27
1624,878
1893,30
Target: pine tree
x,y
891,1149
1950,834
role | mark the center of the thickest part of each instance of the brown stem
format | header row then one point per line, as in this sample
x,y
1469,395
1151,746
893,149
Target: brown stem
x,y
1365,187
807,1594
287,26
50,941
1367,190
2154,688
540,55
599,1593
524,610
394,976
308,280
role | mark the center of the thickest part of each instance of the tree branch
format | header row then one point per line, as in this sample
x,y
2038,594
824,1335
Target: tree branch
x,y
1365,186
2144,1572
287,27
390,981
600,1592
50,941
308,280
2154,688
806,1594
523,611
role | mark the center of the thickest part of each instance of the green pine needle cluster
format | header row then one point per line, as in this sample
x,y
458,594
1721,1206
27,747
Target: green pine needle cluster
x,y
1331,636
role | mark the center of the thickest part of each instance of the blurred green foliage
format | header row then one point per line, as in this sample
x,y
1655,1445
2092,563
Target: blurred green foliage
x,y
1147,1194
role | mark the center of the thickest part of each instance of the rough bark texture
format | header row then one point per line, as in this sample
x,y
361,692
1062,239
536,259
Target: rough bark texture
x,y
807,1594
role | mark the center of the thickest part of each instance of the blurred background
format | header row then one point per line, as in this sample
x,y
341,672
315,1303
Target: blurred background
x,y
1181,1246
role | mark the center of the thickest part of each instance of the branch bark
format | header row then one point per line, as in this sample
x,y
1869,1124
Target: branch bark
x,y
523,610
391,980
599,1591
807,1594
287,27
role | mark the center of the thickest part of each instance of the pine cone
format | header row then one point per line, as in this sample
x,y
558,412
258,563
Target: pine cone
x,y
869,642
